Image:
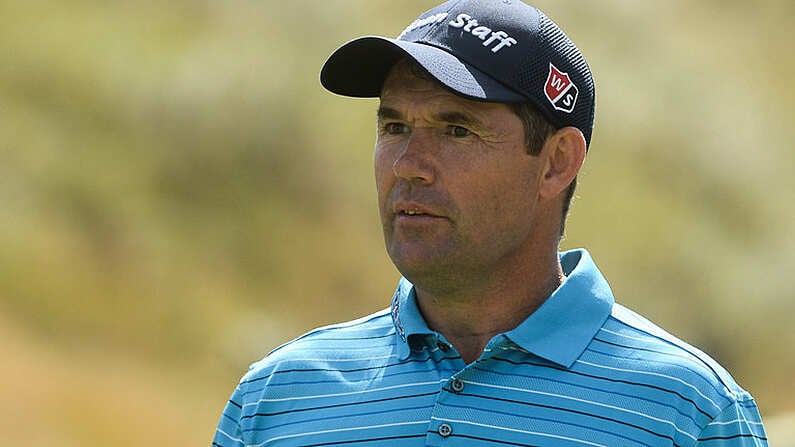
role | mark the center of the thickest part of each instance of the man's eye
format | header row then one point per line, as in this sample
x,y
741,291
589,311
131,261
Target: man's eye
x,y
459,132
395,128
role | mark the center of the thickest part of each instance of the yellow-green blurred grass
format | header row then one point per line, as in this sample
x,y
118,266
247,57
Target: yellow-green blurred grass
x,y
85,396
178,191
781,430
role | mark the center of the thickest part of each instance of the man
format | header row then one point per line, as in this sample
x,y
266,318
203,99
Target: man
x,y
493,337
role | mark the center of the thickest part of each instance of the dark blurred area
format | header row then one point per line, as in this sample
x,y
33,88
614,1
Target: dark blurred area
x,y
180,195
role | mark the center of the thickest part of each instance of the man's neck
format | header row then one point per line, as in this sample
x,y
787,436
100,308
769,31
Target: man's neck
x,y
471,316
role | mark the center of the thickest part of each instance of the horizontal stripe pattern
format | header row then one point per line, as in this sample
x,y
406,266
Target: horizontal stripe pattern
x,y
367,396
354,384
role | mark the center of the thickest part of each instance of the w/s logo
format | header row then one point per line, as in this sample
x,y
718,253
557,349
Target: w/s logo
x,y
560,90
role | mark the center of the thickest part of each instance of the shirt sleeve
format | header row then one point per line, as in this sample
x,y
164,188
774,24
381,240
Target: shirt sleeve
x,y
229,432
738,425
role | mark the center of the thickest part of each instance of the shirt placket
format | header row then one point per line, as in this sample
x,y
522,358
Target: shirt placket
x,y
448,413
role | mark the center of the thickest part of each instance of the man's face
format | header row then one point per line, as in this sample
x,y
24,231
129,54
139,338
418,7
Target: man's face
x,y
457,190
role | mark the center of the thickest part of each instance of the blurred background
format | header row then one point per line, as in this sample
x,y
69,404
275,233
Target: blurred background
x,y
179,195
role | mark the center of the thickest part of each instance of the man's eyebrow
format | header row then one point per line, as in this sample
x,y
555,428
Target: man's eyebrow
x,y
457,117
385,113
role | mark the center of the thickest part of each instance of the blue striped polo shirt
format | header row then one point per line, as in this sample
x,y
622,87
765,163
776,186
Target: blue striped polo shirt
x,y
580,371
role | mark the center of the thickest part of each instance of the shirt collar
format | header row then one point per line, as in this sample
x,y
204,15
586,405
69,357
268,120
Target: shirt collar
x,y
407,317
558,331
565,324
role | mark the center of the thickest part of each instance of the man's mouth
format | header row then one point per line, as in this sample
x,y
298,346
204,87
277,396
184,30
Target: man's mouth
x,y
416,211
413,212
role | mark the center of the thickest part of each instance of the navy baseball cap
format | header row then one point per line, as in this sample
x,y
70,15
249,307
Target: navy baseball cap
x,y
489,50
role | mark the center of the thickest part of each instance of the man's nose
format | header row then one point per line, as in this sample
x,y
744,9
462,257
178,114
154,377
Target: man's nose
x,y
415,161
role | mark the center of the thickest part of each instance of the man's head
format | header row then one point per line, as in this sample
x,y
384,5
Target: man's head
x,y
486,107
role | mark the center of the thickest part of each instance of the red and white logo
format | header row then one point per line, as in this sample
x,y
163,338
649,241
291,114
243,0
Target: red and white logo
x,y
560,91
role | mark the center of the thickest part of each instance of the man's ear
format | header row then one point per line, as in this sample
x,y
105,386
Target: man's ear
x,y
564,152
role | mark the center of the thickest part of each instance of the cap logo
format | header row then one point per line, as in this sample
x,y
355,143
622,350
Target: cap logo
x,y
419,23
560,90
499,39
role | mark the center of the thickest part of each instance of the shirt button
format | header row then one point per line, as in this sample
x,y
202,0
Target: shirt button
x,y
457,385
445,430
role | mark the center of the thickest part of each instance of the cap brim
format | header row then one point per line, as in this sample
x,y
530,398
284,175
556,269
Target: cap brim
x,y
360,67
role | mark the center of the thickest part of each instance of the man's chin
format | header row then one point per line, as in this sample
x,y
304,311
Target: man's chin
x,y
416,266
425,269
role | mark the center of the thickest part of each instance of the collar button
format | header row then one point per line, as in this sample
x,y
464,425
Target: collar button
x,y
457,385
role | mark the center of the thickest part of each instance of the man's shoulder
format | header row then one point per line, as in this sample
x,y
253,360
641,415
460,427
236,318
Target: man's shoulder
x,y
330,346
636,345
